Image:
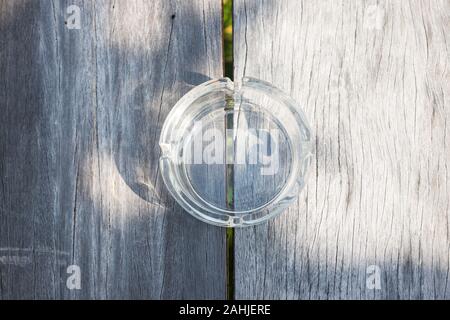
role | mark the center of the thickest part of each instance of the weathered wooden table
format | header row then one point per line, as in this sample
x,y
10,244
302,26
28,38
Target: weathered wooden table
x,y
81,112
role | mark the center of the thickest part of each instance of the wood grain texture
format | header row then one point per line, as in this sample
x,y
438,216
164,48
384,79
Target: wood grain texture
x,y
81,113
374,80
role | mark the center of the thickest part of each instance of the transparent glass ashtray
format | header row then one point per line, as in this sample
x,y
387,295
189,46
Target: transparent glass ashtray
x,y
235,154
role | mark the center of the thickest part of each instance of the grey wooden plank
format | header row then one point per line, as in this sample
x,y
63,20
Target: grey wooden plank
x,y
81,113
373,79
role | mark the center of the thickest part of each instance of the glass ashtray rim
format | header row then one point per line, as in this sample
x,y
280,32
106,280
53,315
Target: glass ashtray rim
x,y
203,209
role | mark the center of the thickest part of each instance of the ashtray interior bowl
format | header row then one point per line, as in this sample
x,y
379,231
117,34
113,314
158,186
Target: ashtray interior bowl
x,y
235,154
